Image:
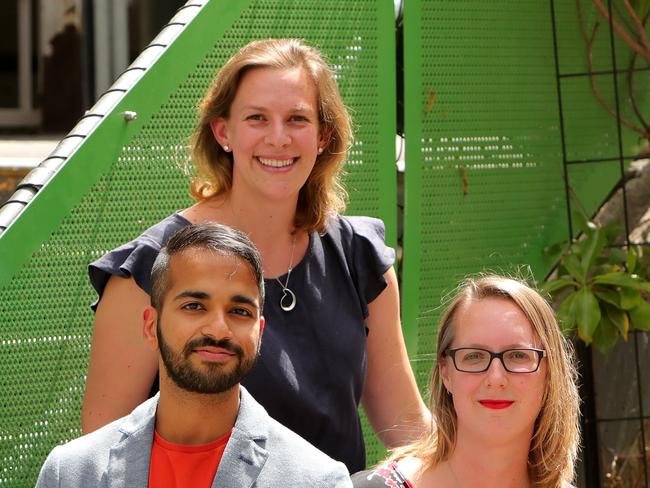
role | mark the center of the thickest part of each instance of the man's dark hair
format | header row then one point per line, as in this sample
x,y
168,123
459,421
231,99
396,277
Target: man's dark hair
x,y
209,236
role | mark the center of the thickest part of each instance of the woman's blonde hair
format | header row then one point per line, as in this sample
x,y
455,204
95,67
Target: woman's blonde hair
x,y
556,433
323,194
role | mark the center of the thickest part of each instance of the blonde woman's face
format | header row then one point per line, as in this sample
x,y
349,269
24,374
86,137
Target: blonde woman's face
x,y
494,406
273,132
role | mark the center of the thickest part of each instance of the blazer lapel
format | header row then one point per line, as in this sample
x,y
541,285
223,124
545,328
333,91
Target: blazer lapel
x,y
245,453
241,463
129,458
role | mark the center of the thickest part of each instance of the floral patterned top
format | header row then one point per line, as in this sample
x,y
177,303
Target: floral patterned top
x,y
384,475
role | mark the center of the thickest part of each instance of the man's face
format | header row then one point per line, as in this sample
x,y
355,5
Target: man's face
x,y
208,328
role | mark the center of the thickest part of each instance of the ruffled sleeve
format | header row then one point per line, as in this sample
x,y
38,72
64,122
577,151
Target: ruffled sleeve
x,y
367,254
134,259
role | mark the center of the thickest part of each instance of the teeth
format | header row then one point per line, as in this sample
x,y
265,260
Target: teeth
x,y
275,163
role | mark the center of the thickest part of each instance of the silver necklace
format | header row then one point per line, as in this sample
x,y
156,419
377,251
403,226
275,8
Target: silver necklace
x,y
288,300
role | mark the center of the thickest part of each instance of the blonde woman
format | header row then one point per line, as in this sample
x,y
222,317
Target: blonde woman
x,y
269,147
503,396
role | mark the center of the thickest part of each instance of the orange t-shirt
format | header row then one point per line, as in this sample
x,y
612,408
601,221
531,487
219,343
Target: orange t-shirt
x,y
177,465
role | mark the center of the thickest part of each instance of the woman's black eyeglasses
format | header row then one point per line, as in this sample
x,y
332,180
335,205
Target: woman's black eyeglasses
x,y
476,360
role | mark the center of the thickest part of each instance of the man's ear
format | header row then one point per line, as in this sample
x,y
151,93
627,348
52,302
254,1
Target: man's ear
x,y
262,322
149,329
220,130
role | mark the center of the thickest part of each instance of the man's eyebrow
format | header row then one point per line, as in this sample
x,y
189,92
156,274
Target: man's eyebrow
x,y
245,299
199,295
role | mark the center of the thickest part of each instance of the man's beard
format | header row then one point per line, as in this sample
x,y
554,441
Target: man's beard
x,y
215,379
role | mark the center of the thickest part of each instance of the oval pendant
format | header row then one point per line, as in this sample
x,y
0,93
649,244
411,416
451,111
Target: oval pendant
x,y
287,296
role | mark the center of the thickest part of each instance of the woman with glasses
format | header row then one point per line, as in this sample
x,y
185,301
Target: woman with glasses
x,y
503,396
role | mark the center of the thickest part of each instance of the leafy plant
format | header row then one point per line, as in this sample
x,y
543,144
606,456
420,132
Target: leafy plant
x,y
601,292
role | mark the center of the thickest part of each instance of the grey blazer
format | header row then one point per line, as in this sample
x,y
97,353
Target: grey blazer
x,y
260,453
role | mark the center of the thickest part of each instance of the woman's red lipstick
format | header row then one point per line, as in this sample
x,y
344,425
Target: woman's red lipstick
x,y
496,404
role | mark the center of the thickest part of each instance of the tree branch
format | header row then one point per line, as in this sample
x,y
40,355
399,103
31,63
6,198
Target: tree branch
x,y
645,54
643,38
635,107
622,18
589,40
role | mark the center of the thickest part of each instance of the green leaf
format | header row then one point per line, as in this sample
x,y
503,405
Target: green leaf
x,y
613,230
575,248
629,297
630,261
579,219
642,266
606,336
592,246
607,295
566,315
619,278
556,285
619,318
640,316
572,265
587,314
554,252
616,256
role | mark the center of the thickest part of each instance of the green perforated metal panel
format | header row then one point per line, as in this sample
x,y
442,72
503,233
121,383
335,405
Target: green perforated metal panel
x,y
483,158
484,144
126,176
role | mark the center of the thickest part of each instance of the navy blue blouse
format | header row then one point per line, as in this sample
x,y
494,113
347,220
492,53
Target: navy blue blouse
x,y
312,363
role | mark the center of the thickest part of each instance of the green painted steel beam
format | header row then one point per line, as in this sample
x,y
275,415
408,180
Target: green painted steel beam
x,y
412,198
387,123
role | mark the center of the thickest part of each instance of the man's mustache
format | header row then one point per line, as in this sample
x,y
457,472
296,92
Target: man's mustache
x,y
226,344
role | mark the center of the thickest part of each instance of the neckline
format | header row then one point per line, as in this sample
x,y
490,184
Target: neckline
x,y
297,266
184,219
192,448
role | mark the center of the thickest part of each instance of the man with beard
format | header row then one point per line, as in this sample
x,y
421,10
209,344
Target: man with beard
x,y
203,429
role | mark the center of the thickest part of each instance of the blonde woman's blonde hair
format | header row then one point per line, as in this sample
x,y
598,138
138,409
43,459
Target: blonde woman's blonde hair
x,y
323,194
556,434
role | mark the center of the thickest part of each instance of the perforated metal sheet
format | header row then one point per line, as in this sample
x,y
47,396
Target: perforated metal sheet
x,y
44,308
484,156
485,168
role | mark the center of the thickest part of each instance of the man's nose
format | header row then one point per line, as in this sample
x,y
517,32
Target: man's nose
x,y
216,326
